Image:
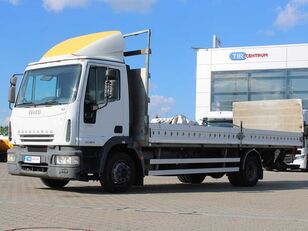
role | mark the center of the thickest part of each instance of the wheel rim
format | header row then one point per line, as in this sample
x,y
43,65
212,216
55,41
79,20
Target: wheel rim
x,y
251,171
121,173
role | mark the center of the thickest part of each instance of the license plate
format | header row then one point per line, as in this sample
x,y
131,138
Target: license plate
x,y
32,159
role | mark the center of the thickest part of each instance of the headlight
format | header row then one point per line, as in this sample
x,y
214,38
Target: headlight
x,y
68,160
299,157
11,157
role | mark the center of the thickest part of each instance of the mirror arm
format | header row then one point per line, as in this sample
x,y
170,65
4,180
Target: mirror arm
x,y
15,78
105,104
107,98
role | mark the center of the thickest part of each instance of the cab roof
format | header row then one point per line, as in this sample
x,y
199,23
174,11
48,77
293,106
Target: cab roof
x,y
107,45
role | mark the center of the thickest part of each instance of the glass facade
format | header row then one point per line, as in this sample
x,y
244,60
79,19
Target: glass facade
x,y
232,86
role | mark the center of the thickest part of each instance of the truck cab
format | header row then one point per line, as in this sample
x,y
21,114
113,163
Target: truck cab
x,y
218,119
72,101
300,160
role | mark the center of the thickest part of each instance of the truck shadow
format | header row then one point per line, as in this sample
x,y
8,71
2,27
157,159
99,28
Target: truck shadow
x,y
217,187
222,187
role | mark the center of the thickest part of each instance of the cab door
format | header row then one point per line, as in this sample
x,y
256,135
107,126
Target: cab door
x,y
100,120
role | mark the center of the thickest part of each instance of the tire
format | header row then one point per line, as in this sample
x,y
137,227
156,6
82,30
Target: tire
x,y
53,183
119,173
3,157
217,175
281,167
235,179
182,179
249,176
192,178
269,169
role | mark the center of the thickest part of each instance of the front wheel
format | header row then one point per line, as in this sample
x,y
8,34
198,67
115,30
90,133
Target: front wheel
x,y
192,178
119,173
53,183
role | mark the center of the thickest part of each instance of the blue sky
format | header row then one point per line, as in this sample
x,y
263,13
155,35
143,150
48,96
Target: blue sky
x,y
29,28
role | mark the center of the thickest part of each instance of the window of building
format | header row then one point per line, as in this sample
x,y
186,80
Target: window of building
x,y
232,86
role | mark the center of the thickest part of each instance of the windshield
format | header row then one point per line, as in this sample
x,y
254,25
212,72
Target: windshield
x,y
218,122
49,86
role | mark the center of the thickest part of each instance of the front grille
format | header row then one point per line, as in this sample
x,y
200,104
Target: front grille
x,y
36,138
37,148
34,167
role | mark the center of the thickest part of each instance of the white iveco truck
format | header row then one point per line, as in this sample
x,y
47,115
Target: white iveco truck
x,y
81,113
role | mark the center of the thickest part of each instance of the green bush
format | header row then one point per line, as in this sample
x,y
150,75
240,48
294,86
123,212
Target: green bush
x,y
4,131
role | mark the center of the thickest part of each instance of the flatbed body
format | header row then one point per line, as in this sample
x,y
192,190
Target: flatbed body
x,y
162,134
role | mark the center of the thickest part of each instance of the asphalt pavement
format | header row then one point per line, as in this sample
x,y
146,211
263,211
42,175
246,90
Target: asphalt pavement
x,y
279,202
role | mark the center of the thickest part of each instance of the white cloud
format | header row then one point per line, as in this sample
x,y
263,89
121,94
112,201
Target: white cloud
x,y
14,2
160,105
292,14
140,6
59,5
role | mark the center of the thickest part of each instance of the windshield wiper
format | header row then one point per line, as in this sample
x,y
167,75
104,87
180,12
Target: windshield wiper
x,y
26,104
50,102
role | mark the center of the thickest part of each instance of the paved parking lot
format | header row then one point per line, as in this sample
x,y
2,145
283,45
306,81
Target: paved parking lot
x,y
280,202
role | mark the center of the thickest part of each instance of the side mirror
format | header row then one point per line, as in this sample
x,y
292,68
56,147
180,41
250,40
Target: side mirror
x,y
12,93
12,90
205,121
111,73
111,89
13,80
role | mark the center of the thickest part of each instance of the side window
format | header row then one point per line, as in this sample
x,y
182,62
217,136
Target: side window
x,y
95,91
28,94
116,78
100,86
90,97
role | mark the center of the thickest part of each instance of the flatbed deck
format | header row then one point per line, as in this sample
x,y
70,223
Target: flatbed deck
x,y
197,134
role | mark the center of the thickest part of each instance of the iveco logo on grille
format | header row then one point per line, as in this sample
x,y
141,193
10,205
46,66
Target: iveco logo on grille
x,y
35,112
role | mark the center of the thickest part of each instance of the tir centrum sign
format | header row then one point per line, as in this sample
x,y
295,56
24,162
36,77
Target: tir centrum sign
x,y
242,55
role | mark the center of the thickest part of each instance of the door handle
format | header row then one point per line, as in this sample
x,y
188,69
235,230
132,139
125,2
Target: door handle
x,y
118,129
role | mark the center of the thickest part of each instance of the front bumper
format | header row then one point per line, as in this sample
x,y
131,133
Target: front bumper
x,y
46,168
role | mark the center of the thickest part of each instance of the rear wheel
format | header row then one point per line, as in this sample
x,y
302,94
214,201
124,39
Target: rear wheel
x,y
182,179
53,183
249,176
119,174
217,175
281,166
192,178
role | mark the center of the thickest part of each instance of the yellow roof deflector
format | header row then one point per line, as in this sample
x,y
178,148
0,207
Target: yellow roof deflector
x,y
109,44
